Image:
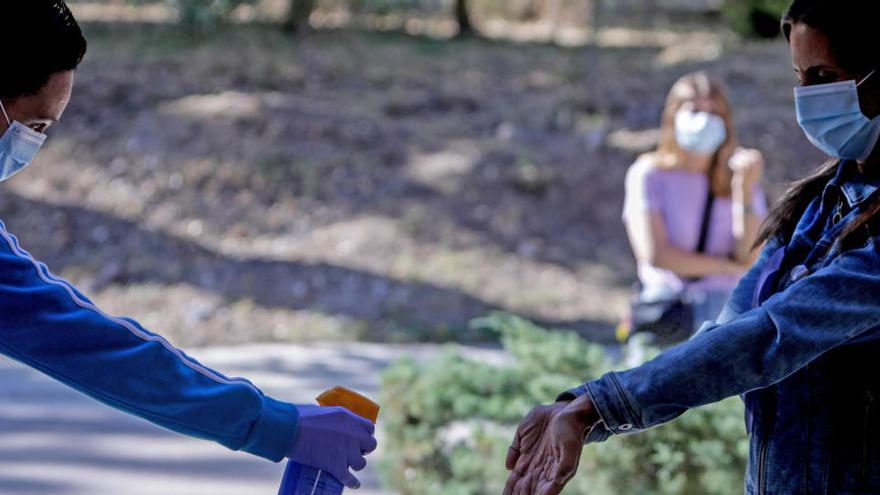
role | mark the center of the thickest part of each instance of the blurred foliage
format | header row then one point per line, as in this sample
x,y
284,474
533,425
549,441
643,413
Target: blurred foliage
x,y
755,18
449,423
207,12
751,18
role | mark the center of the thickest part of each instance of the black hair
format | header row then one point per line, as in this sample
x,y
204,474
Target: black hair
x,y
850,28
40,38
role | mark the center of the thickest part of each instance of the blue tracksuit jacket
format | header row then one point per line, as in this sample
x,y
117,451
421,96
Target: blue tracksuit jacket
x,y
49,325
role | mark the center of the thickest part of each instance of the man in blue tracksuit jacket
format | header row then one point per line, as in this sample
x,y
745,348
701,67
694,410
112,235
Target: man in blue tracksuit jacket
x,y
49,325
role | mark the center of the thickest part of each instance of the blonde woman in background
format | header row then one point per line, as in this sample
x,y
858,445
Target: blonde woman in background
x,y
692,211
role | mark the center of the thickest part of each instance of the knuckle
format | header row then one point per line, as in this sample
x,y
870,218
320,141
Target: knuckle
x,y
540,411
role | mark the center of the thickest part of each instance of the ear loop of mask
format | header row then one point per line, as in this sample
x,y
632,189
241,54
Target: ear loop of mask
x,y
857,85
8,121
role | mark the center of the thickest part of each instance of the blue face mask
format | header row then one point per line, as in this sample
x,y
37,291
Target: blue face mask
x,y
702,133
832,119
18,147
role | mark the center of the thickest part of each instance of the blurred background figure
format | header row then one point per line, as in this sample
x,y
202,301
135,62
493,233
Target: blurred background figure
x,y
693,209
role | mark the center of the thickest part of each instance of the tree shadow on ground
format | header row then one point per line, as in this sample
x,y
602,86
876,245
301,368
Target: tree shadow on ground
x,y
18,486
340,137
126,253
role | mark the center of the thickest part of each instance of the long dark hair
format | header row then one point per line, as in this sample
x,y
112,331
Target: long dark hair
x,y
850,26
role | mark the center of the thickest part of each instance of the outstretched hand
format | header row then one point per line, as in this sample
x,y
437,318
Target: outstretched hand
x,y
334,440
546,450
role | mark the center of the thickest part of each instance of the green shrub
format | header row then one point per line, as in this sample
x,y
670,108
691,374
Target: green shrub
x,y
755,18
450,421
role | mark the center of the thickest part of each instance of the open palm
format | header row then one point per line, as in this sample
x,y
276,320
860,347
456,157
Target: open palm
x,y
546,450
532,458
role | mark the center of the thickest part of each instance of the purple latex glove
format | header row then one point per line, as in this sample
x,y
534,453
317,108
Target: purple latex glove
x,y
334,440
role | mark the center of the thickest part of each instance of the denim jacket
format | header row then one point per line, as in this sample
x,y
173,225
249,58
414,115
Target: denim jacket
x,y
798,340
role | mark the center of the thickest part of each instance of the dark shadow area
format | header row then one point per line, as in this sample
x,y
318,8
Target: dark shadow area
x,y
345,160
214,468
10,485
128,253
72,426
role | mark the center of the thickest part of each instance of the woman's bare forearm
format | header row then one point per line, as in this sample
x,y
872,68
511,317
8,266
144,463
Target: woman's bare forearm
x,y
746,224
693,265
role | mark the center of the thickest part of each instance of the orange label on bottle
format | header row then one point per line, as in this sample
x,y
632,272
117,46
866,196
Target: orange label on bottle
x,y
351,400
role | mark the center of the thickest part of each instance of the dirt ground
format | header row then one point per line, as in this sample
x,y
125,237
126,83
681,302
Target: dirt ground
x,y
241,186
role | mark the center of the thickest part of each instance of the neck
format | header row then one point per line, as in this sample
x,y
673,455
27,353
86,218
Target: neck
x,y
872,163
697,163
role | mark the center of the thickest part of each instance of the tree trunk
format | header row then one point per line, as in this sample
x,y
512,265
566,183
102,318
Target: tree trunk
x,y
465,28
650,13
298,17
597,12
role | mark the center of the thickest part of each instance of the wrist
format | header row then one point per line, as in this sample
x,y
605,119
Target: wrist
x,y
742,207
742,183
734,267
583,410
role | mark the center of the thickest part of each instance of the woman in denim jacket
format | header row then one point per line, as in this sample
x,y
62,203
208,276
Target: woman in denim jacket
x,y
799,336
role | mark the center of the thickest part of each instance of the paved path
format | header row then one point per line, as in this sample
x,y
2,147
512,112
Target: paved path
x,y
55,441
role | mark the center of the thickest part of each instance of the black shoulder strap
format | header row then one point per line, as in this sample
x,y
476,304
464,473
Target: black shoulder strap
x,y
707,220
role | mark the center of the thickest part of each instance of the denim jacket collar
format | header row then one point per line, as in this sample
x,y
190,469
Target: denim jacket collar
x,y
856,186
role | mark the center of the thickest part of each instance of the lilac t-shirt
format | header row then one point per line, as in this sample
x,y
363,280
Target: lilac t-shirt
x,y
680,197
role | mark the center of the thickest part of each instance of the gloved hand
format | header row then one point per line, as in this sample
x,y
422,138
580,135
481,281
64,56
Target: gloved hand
x,y
334,440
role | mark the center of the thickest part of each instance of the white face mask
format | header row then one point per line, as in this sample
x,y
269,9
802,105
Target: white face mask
x,y
702,133
18,147
831,117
